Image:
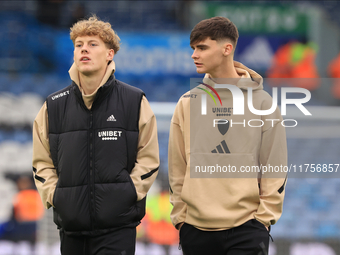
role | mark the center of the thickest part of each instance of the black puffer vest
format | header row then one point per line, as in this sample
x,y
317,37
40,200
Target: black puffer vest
x,y
94,152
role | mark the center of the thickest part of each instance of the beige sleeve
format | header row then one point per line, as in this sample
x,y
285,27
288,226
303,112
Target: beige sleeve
x,y
273,153
177,167
147,163
44,172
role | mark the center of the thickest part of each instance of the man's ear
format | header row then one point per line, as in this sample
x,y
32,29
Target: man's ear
x,y
110,54
227,49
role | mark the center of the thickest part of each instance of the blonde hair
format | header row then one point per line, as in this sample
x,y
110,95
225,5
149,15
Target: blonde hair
x,y
92,27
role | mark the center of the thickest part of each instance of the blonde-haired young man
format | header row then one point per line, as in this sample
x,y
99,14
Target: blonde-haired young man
x,y
95,149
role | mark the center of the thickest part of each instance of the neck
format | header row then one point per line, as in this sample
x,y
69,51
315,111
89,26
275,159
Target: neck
x,y
90,83
225,70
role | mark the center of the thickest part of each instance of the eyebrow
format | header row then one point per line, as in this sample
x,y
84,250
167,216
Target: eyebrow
x,y
92,40
199,46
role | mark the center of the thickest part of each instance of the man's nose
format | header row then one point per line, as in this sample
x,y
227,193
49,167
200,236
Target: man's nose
x,y
84,50
194,55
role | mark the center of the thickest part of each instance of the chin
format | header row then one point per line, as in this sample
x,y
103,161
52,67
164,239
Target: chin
x,y
200,71
85,71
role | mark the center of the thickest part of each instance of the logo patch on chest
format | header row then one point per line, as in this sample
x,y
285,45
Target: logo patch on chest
x,y
110,135
111,118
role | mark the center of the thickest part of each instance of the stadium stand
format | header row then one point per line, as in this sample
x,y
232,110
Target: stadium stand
x,y
311,206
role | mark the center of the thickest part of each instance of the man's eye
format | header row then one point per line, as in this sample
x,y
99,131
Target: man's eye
x,y
93,44
78,45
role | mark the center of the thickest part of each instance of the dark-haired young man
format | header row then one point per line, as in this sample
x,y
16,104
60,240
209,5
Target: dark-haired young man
x,y
95,149
218,208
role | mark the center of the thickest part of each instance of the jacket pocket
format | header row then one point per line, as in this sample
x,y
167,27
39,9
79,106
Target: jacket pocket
x,y
139,205
132,184
219,183
71,204
116,202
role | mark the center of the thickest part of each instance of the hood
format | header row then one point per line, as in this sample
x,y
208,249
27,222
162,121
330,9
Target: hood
x,y
74,74
249,78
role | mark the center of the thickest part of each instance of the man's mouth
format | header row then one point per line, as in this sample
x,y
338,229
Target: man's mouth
x,y
85,59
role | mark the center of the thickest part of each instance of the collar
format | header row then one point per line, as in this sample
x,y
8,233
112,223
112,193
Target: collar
x,y
74,75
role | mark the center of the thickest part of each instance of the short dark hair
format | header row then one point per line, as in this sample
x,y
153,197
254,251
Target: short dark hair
x,y
216,28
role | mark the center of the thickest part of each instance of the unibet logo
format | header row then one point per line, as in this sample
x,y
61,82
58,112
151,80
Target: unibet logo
x,y
110,135
61,95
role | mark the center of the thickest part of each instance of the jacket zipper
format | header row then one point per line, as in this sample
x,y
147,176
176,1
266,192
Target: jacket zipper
x,y
91,172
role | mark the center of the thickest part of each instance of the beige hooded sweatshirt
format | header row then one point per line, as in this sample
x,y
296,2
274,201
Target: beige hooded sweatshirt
x,y
207,186
147,156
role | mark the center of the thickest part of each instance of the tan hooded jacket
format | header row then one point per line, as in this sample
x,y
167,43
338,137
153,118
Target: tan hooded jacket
x,y
147,156
212,199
